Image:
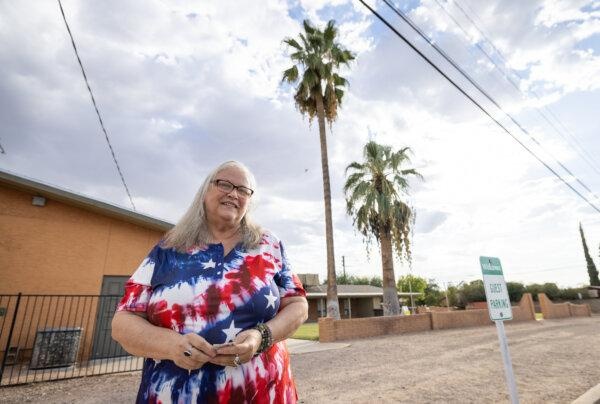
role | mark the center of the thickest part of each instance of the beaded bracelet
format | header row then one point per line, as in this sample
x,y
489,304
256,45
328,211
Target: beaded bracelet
x,y
266,337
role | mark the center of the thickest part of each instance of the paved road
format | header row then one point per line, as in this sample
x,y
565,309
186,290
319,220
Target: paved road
x,y
554,360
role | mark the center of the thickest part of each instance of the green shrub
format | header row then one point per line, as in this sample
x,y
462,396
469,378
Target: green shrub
x,y
515,291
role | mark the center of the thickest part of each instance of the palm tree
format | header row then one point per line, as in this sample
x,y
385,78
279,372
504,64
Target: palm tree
x,y
319,91
373,199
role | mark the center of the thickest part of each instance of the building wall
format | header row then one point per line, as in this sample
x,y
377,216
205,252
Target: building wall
x,y
61,249
313,312
360,307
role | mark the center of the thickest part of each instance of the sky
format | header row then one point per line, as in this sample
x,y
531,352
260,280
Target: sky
x,y
184,86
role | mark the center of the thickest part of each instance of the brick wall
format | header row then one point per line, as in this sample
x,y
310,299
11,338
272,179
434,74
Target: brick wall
x,y
525,310
561,310
334,330
460,319
593,303
580,310
427,309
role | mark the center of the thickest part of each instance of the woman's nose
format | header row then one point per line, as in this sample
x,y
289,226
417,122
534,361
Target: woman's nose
x,y
232,191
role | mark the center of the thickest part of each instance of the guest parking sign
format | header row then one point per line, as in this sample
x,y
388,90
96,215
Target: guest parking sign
x,y
500,310
495,289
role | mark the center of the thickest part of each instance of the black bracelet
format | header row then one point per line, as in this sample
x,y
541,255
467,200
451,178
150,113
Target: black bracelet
x,y
266,337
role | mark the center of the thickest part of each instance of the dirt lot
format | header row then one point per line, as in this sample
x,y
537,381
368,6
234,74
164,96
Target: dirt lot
x,y
554,361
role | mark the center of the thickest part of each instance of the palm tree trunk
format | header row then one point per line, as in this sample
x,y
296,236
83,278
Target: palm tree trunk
x,y
391,306
333,308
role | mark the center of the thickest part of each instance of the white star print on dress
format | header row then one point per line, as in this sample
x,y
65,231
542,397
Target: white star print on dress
x,y
231,332
209,264
271,299
230,295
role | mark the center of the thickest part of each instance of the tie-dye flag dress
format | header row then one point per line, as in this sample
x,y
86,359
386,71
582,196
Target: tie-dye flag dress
x,y
217,297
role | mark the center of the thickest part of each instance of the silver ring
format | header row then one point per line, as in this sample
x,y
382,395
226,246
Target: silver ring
x,y
236,360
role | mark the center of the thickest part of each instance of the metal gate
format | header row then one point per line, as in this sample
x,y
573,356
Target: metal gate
x,y
51,337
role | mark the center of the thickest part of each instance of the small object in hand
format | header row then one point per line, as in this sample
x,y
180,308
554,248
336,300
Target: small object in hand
x,y
187,353
236,360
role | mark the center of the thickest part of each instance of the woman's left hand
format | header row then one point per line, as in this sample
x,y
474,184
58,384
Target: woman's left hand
x,y
244,347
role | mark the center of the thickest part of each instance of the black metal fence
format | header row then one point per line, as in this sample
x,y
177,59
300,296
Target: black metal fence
x,y
51,337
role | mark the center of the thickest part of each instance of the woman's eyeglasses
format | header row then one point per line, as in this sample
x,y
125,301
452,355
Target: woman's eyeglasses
x,y
227,187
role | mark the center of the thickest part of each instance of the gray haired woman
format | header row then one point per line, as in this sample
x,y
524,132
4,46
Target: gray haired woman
x,y
212,303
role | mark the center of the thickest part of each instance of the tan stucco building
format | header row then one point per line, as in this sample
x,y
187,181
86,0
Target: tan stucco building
x,y
59,251
54,241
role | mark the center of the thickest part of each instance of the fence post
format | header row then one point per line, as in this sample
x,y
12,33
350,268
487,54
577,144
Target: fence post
x,y
12,326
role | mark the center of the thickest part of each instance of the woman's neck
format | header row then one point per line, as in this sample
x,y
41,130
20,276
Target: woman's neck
x,y
224,234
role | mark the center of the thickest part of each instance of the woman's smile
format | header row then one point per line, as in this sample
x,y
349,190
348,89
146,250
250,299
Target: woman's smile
x,y
230,204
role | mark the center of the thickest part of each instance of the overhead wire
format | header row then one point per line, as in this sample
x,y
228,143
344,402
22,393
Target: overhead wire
x,y
486,94
477,104
478,46
576,146
112,152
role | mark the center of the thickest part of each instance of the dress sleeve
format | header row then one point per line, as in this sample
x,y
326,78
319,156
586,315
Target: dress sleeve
x,y
138,288
288,282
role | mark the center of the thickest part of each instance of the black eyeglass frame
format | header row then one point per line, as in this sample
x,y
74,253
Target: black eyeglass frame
x,y
239,188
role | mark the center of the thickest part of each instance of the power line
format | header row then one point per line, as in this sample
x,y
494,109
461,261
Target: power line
x,y
487,55
450,60
580,150
475,102
112,152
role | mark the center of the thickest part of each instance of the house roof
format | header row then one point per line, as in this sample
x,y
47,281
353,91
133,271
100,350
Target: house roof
x,y
37,188
350,291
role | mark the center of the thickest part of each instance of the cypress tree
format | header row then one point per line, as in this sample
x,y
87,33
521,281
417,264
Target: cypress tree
x,y
591,267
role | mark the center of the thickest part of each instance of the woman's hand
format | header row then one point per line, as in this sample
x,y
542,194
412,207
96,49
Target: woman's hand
x,y
199,351
244,346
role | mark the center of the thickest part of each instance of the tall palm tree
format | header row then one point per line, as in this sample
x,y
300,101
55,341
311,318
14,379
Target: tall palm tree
x,y
316,59
373,198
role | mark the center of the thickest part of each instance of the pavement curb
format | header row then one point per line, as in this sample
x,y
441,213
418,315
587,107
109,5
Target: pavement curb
x,y
297,346
592,396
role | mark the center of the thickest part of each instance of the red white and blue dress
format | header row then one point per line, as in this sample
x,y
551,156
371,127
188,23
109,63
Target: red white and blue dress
x,y
217,297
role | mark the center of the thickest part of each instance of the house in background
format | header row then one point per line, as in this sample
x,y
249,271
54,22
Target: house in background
x,y
355,301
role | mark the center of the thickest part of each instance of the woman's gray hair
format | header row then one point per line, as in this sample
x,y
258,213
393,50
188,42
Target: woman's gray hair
x,y
192,229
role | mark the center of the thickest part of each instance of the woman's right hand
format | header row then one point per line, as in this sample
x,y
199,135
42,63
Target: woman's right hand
x,y
201,351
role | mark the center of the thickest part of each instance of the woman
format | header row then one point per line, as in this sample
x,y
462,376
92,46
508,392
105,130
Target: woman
x,y
211,304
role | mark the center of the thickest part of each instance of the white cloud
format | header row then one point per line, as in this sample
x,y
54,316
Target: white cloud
x,y
183,86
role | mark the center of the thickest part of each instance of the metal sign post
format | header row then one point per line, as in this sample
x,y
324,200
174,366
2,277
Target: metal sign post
x,y
500,309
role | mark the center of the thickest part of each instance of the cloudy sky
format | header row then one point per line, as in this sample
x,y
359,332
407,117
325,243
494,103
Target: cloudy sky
x,y
183,86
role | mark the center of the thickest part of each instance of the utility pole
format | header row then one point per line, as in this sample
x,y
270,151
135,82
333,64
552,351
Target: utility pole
x,y
344,265
446,285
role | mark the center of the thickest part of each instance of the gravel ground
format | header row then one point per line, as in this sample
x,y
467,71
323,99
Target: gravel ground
x,y
555,361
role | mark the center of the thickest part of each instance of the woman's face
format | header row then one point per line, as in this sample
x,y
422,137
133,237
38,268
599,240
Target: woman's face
x,y
227,207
